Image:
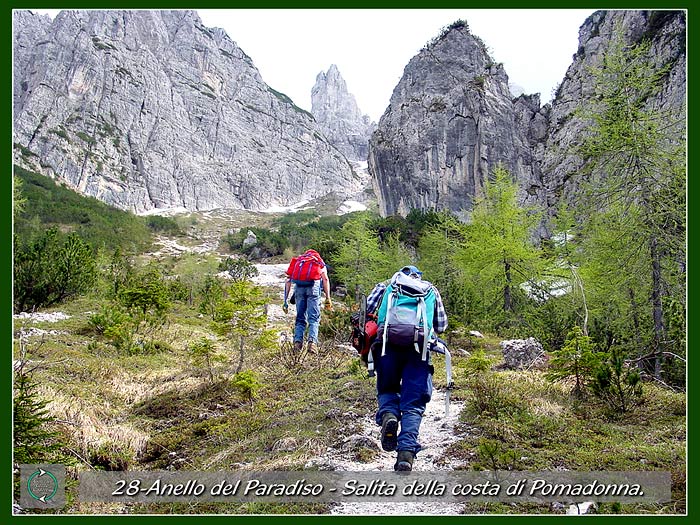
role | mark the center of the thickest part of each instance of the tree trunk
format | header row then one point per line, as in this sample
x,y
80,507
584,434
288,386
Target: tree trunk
x,y
240,356
637,327
657,307
507,300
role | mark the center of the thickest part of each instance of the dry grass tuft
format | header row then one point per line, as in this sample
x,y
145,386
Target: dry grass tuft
x,y
91,428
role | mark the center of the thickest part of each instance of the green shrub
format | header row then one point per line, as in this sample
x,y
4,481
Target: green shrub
x,y
494,455
478,363
33,442
246,384
212,293
161,224
177,290
203,354
108,317
238,268
268,243
51,269
577,359
335,325
618,385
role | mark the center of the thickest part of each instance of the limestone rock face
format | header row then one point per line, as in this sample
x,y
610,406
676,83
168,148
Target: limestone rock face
x,y
667,32
341,120
151,109
451,120
34,30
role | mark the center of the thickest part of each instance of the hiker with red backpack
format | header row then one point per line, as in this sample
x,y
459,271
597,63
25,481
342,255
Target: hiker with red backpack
x,y
308,273
410,313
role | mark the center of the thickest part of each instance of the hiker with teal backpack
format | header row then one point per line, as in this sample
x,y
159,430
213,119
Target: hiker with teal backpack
x,y
410,314
308,273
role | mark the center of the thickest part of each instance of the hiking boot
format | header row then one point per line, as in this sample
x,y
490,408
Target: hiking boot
x,y
312,348
404,460
297,346
390,426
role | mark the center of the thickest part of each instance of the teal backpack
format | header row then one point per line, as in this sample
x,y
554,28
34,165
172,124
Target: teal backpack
x,y
406,313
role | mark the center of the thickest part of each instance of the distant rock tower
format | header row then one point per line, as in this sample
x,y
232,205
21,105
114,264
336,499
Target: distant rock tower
x,y
339,117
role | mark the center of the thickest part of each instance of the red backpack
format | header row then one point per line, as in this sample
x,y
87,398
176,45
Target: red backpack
x,y
363,336
306,268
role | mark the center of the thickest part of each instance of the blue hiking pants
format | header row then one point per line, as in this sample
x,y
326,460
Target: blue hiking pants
x,y
404,387
308,310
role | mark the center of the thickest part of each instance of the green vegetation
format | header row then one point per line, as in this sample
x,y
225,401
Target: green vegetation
x,y
50,270
634,208
166,225
99,44
33,439
238,269
284,98
95,222
86,138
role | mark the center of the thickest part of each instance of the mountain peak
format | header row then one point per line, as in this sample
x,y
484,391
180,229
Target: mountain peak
x,y
336,111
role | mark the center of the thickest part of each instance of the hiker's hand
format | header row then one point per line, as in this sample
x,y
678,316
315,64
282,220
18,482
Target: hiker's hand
x,y
329,304
285,307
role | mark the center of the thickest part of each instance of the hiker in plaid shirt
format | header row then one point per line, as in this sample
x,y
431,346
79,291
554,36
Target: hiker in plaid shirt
x,y
404,381
375,298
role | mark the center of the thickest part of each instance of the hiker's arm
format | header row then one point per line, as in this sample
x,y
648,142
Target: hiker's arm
x,y
375,297
287,286
326,284
440,318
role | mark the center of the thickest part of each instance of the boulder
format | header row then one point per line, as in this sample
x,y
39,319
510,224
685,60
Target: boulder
x,y
519,354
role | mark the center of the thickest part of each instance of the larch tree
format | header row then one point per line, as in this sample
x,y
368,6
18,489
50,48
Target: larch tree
x,y
634,154
499,254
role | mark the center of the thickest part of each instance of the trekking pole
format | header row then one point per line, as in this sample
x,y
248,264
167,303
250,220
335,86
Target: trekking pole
x,y
438,346
450,384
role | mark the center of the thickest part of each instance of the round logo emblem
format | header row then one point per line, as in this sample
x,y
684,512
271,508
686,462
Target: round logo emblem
x,y
42,485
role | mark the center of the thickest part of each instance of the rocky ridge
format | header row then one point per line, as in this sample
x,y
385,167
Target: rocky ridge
x,y
151,109
666,31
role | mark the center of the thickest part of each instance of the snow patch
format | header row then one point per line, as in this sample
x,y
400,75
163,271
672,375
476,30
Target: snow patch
x,y
165,212
39,317
288,209
351,206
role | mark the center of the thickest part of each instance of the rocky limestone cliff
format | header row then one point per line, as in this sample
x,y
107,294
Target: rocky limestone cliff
x,y
34,29
667,33
151,109
337,113
451,120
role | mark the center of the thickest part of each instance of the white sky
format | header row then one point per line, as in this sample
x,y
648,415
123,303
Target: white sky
x,y
371,47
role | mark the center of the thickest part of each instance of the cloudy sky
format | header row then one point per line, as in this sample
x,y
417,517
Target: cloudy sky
x,y
371,47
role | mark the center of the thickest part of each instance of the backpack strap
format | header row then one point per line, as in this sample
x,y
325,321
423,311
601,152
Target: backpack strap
x,y
390,303
421,317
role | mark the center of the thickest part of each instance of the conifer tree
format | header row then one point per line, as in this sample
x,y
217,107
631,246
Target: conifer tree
x,y
634,155
33,441
362,261
499,255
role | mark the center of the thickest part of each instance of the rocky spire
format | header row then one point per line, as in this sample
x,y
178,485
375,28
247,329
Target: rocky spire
x,y
451,120
452,117
340,118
